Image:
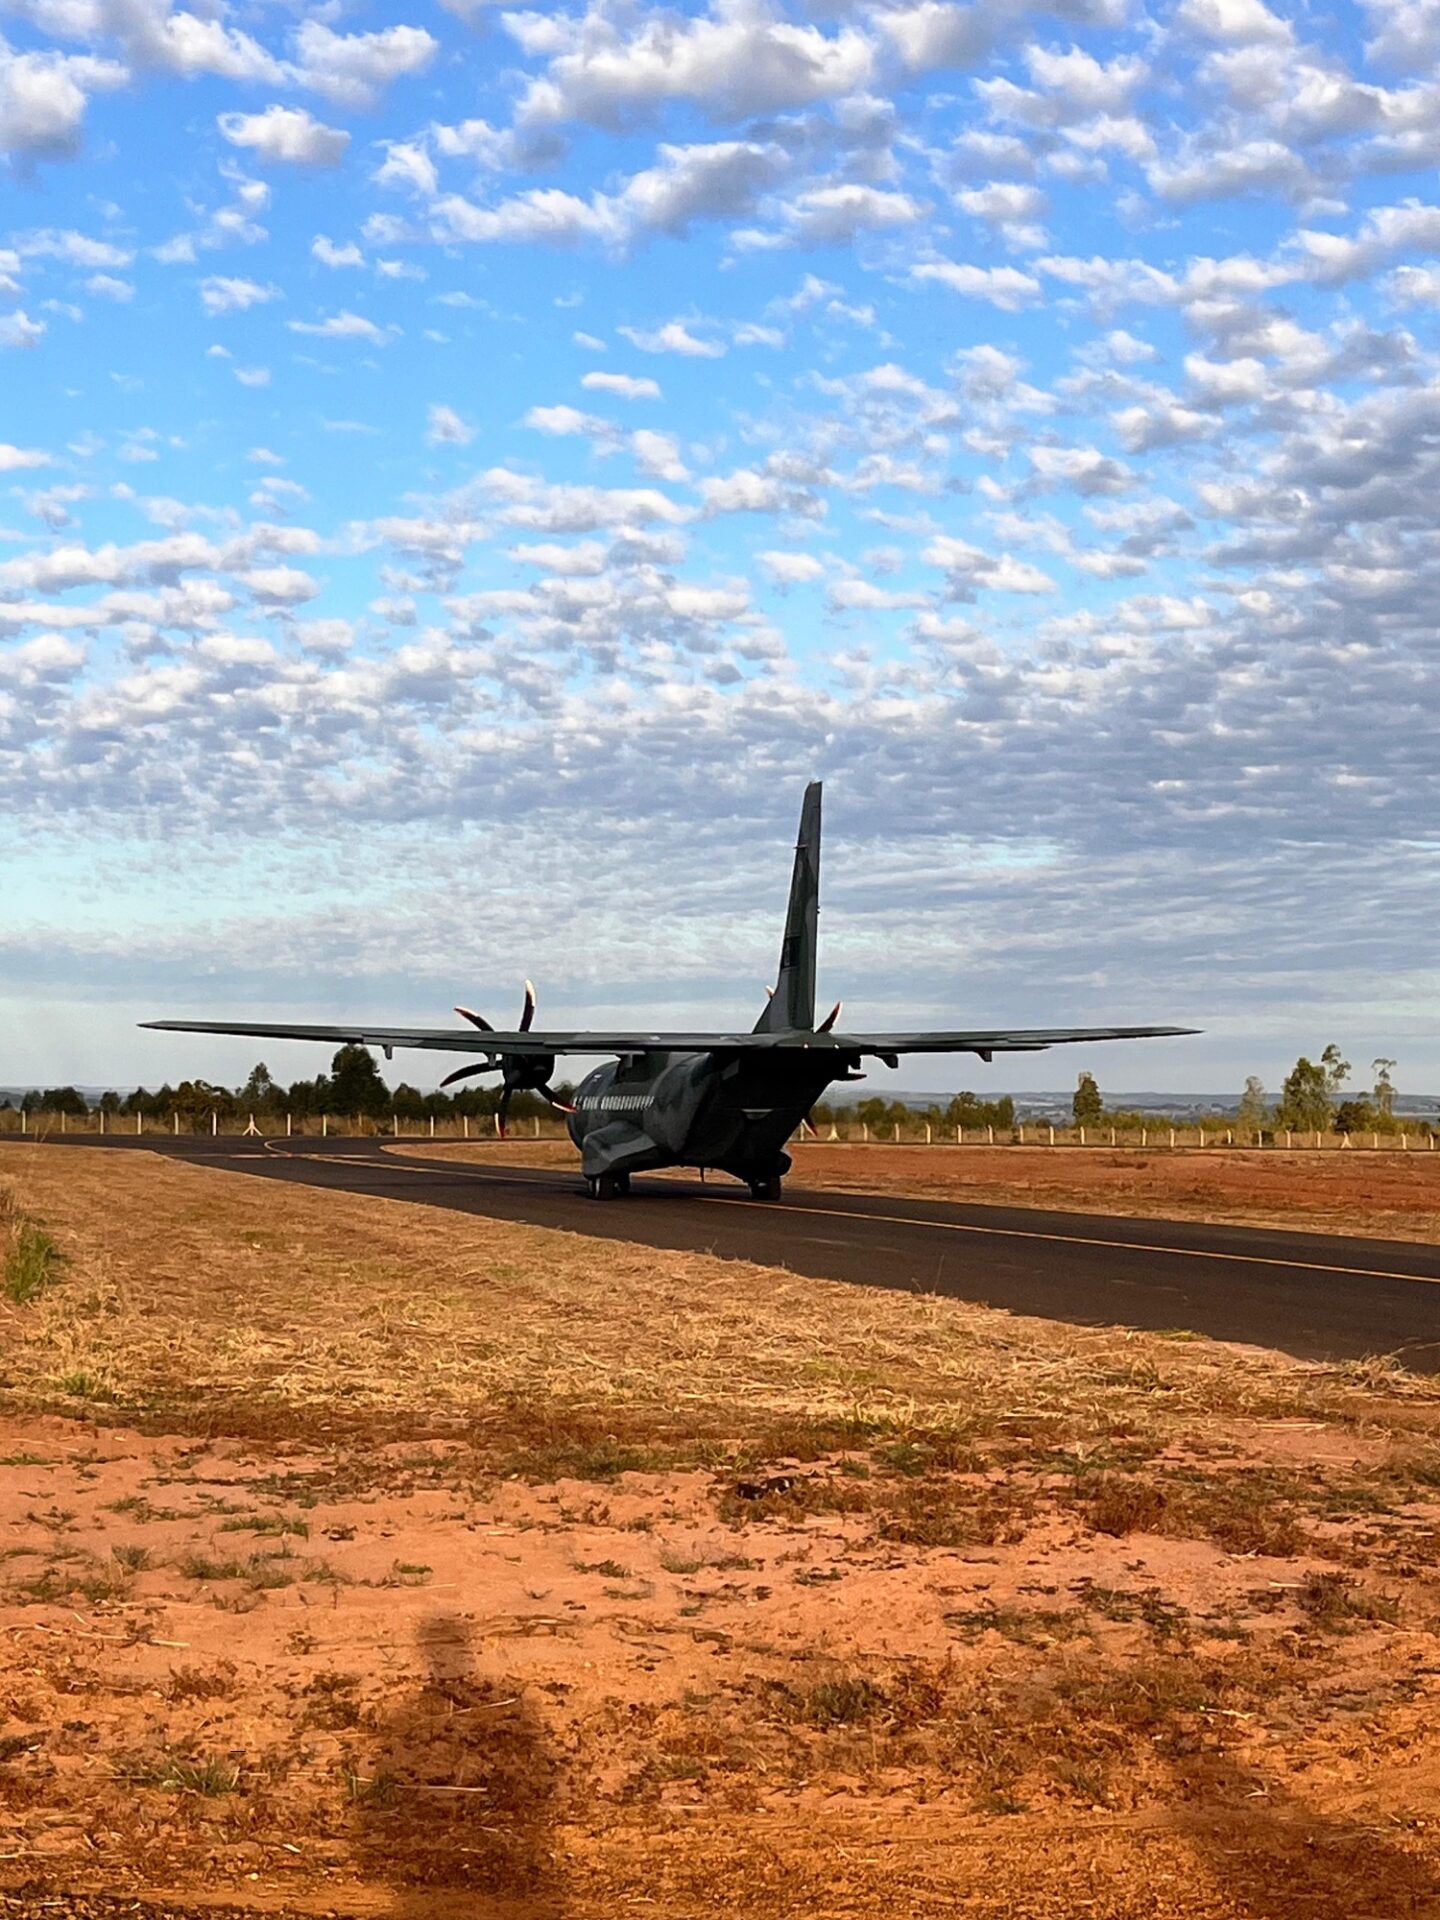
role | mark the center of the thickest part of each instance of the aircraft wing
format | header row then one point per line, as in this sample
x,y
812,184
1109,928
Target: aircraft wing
x,y
468,1040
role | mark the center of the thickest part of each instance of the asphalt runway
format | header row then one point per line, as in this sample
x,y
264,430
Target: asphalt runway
x,y
1314,1295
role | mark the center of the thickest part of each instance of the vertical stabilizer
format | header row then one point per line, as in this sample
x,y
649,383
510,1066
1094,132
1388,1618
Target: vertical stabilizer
x,y
793,1002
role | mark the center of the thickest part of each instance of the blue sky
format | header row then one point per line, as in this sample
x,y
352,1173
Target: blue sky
x,y
461,470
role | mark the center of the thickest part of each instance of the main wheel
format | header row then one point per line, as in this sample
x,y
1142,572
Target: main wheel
x,y
766,1189
607,1186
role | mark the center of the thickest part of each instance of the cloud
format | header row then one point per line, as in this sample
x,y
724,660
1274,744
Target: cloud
x,y
17,329
658,454
673,337
835,216
289,135
16,459
625,386
325,250
1004,287
968,568
445,428
1228,171
43,97
717,182
342,326
221,294
786,569
730,67
354,69
74,249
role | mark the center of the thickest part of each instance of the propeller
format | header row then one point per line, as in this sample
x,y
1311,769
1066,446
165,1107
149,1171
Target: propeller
x,y
521,1073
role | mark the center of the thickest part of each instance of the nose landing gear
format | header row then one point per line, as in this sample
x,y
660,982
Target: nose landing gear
x,y
766,1189
607,1186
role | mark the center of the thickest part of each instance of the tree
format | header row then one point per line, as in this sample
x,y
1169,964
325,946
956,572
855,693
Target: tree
x,y
1309,1093
967,1110
1254,1110
356,1085
1087,1106
55,1100
1384,1094
260,1089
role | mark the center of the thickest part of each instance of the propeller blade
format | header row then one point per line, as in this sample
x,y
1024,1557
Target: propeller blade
x,y
475,1019
828,1022
562,1106
528,1011
501,1111
468,1073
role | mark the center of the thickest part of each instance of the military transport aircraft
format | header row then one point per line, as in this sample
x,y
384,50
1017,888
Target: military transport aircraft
x,y
725,1100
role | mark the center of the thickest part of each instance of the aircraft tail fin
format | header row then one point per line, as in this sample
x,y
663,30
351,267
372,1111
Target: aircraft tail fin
x,y
792,1004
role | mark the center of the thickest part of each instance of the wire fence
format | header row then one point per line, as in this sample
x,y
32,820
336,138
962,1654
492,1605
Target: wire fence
x,y
1205,1137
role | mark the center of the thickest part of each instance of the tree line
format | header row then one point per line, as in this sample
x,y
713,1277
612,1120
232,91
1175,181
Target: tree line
x,y
1312,1100
353,1086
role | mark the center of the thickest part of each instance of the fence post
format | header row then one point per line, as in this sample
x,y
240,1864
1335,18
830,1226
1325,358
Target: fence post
x,y
1287,1136
176,1117
864,1130
1404,1143
137,1123
1021,1131
1082,1136
62,1121
897,1133
537,1126
959,1136
432,1126
102,1120
24,1121
927,1133
214,1123
287,1124
989,1135
1144,1136
324,1126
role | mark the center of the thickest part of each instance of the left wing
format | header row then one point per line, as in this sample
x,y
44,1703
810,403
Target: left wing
x,y
883,1046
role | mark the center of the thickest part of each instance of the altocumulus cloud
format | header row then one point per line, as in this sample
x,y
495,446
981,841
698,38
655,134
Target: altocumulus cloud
x,y
1030,417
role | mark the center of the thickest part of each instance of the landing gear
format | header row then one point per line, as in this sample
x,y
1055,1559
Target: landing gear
x,y
766,1189
607,1186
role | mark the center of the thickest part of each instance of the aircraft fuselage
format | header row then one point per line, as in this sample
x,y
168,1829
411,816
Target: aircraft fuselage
x,y
697,1110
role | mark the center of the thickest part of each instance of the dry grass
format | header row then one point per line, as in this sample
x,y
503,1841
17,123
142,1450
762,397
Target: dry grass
x,y
202,1296
458,1553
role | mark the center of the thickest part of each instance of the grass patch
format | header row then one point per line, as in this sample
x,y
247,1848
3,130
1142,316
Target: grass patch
x,y
207,1775
1332,1603
277,1525
29,1257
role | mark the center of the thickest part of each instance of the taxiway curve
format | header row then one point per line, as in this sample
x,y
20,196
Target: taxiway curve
x,y
1317,1296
